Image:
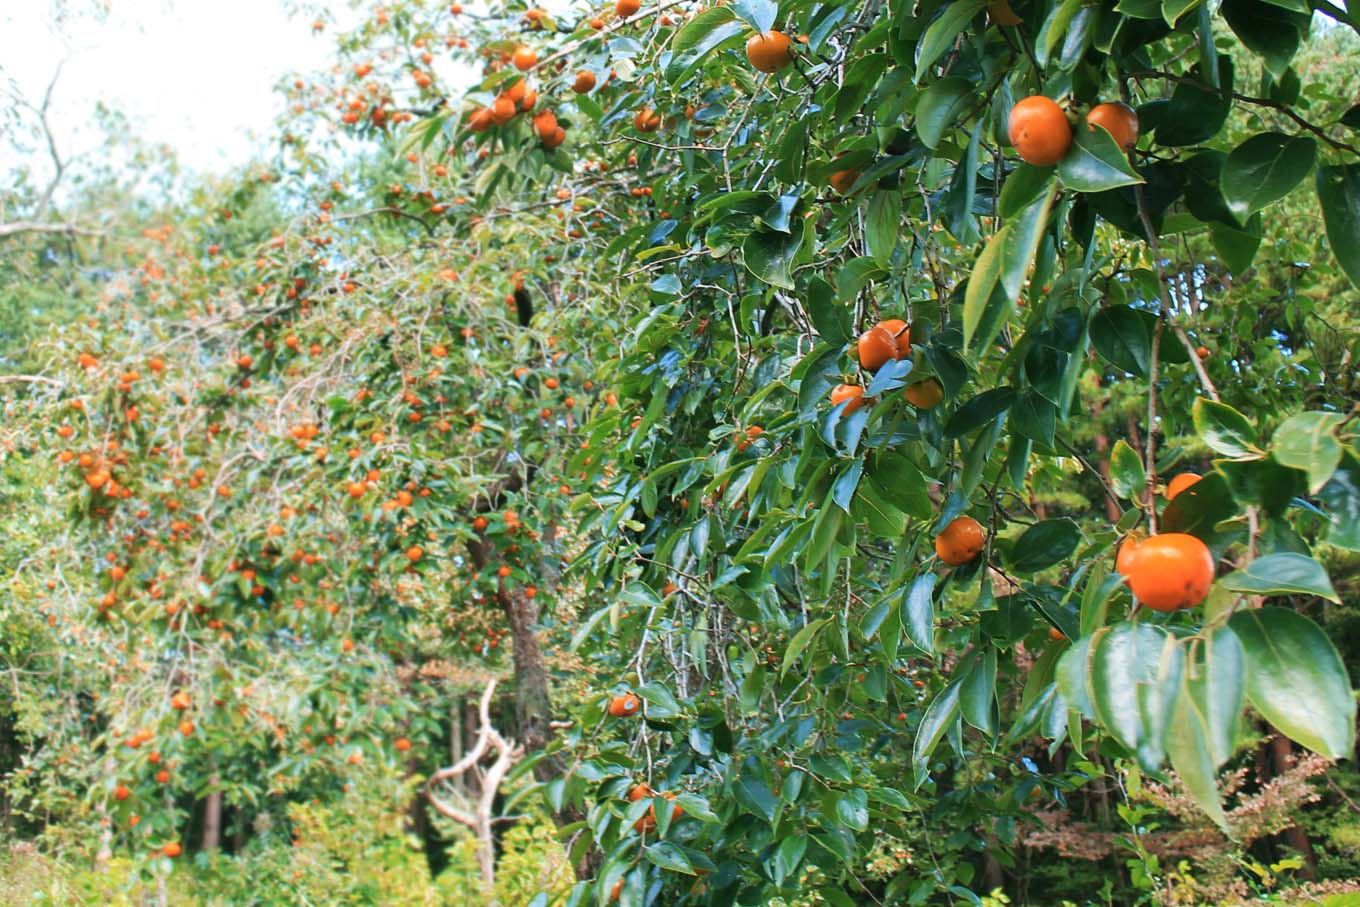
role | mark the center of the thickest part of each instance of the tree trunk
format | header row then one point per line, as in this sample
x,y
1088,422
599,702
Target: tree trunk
x,y
212,815
1282,759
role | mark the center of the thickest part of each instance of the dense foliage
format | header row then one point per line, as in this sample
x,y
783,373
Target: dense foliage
x,y
966,493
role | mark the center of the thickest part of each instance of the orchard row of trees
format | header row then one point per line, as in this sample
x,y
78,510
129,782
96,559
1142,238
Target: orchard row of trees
x,y
891,453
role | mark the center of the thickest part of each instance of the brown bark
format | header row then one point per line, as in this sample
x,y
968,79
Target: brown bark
x,y
212,816
1281,759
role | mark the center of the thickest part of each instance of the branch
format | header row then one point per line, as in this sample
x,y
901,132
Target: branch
x,y
30,379
1259,102
24,226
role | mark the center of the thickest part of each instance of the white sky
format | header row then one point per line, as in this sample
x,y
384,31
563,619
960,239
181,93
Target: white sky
x,y
197,75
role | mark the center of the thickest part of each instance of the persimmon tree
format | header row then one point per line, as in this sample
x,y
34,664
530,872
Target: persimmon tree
x,y
885,385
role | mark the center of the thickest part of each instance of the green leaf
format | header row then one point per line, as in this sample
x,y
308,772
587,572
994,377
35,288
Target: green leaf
x,y
940,35
1096,162
755,797
1000,272
1126,471
668,856
852,808
788,856
938,108
918,612
1135,677
1226,431
977,693
980,410
1308,442
1201,507
940,714
1268,30
1338,189
1044,544
1341,499
759,14
1217,688
1236,245
1263,169
1053,29
1285,573
1296,679
1122,335
1022,188
698,38
800,641
771,256
1187,746
661,703
882,221
829,316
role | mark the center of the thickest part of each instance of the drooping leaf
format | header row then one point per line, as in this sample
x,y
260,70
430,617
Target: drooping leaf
x,y
1296,680
1338,189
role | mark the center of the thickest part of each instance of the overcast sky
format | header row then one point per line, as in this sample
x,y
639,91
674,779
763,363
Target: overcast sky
x,y
195,74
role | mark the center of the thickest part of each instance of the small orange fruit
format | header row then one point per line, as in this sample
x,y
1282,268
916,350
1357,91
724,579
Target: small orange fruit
x,y
585,82
172,849
1039,131
769,52
925,394
625,706
1169,571
875,348
842,180
1118,119
625,8
851,392
1180,483
960,542
526,58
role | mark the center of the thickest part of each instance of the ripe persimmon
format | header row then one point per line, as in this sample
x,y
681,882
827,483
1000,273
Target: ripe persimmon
x,y
1167,572
769,52
646,120
172,849
875,348
526,58
842,180
1180,483
960,542
1039,131
925,394
402,744
585,82
1118,119
625,8
851,392
625,706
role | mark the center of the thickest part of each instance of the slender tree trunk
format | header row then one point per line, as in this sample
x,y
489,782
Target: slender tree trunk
x,y
212,815
1282,759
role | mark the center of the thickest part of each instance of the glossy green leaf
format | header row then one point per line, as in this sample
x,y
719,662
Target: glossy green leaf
x,y
1282,574
1135,677
771,256
939,107
1226,431
940,34
1341,499
918,612
1338,189
940,714
1000,271
1043,545
1308,442
1095,163
1264,169
1296,679
1126,471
